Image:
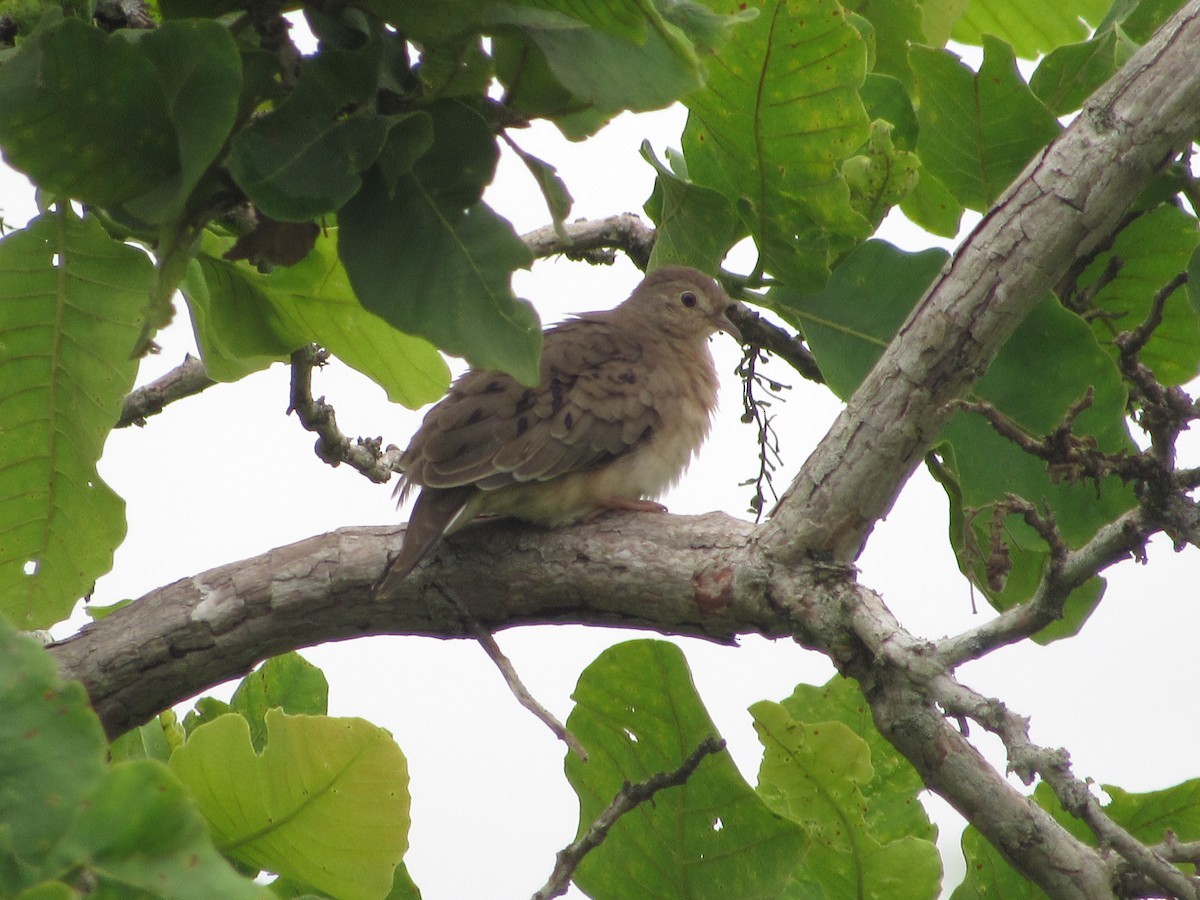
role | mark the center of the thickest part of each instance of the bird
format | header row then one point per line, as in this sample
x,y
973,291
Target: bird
x,y
624,400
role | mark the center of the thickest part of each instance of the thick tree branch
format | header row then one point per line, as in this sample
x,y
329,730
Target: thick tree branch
x,y
1068,198
677,575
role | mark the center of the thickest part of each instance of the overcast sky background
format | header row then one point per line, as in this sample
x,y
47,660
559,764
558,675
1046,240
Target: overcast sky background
x,y
227,475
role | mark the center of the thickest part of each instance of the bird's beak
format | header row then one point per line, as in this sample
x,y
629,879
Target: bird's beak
x,y
723,324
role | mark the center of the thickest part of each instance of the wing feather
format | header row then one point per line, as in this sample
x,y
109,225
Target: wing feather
x,y
491,431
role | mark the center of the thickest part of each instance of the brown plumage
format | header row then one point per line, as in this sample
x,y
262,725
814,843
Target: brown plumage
x,y
624,401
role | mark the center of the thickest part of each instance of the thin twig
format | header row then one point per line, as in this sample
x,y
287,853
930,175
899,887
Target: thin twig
x,y
628,797
760,332
364,454
186,379
1119,540
526,699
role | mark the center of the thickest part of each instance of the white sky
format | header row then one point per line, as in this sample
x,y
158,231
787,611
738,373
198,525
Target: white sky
x,y
487,780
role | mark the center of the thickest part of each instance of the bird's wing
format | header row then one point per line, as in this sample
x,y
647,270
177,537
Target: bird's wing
x,y
591,406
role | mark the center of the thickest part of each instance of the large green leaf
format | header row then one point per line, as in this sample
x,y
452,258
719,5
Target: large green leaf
x,y
637,713
815,775
325,802
65,817
305,158
434,261
1030,26
978,130
84,115
772,125
696,225
891,806
71,300
1150,251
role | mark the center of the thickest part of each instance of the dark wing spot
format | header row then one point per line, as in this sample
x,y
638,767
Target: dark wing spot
x,y
528,399
494,386
569,421
557,390
522,425
475,416
627,378
645,435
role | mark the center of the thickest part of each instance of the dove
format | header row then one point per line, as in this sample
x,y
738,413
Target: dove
x,y
624,401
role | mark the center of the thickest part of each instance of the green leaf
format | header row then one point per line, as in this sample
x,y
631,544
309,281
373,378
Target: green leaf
x,y
638,714
977,130
815,774
227,307
898,24
1150,250
1053,349
932,207
1150,815
126,831
305,158
1139,19
205,710
655,71
157,739
1070,74
892,808
882,176
1030,26
869,295
533,90
326,801
51,758
938,17
71,300
312,302
696,225
141,836
771,127
288,682
436,262
245,321
84,115
200,73
886,98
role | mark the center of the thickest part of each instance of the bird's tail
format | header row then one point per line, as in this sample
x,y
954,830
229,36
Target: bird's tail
x,y
435,512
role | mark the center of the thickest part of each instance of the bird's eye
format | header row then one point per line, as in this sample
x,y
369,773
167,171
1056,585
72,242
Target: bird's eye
x,y
688,299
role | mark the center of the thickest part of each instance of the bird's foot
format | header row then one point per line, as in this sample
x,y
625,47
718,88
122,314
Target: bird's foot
x,y
619,504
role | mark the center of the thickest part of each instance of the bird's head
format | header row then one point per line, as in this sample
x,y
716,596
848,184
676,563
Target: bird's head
x,y
682,302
